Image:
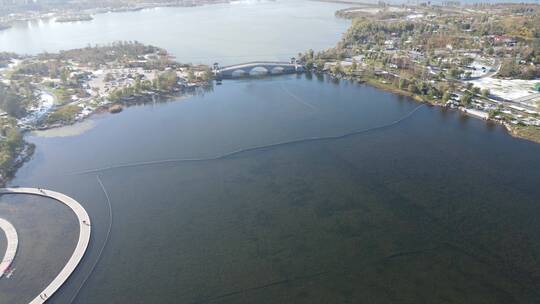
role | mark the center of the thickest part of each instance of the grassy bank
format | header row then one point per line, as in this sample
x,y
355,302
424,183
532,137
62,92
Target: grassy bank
x,y
389,87
64,114
531,133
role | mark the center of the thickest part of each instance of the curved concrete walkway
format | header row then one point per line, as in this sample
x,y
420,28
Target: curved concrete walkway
x,y
12,244
82,243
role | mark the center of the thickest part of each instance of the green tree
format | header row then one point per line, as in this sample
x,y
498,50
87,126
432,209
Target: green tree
x,y
310,64
508,68
320,65
190,75
446,96
108,77
354,65
137,86
310,54
454,73
465,61
402,83
337,69
466,99
64,75
413,88
206,74
485,92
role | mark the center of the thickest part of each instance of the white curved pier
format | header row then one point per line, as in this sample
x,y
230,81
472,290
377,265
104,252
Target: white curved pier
x,y
12,244
82,243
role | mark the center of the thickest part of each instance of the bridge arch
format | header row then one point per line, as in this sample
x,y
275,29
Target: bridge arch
x,y
258,71
257,68
277,70
238,73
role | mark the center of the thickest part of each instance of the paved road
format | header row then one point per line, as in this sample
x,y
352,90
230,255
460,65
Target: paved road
x,y
82,243
12,244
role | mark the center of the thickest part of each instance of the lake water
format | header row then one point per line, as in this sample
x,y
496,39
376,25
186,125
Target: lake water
x,y
438,208
227,33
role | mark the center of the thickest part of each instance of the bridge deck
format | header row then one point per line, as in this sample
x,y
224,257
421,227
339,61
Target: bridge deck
x,y
258,63
12,245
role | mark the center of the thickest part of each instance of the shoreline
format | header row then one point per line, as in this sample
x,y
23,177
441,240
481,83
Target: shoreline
x,y
126,102
26,153
60,12
83,88
510,129
27,149
514,131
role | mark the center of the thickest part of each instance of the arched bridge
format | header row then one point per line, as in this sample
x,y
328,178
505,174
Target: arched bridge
x,y
257,68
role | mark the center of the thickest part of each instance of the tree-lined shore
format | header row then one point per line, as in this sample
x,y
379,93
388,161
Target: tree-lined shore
x,y
477,61
69,11
55,89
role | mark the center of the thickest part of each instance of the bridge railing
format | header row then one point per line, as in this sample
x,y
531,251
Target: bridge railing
x,y
256,63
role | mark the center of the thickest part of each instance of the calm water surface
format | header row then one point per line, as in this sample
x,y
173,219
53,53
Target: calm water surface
x,y
439,208
228,33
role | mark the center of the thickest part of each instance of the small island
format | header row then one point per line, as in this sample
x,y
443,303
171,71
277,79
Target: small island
x,y
74,18
72,11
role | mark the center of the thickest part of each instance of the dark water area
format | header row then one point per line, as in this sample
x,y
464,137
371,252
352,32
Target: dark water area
x,y
439,208
434,207
47,233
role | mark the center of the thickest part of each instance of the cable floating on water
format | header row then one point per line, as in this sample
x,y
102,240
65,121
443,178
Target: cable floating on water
x,y
250,149
104,243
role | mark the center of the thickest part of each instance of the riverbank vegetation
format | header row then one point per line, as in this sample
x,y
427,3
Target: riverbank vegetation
x,y
526,132
13,149
16,97
63,115
70,11
436,55
84,80
55,89
74,18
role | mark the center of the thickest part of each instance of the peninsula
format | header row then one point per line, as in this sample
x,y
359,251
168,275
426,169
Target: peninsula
x,y
51,90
